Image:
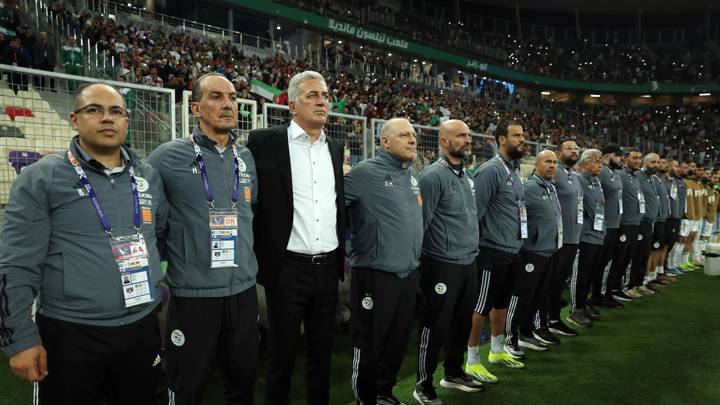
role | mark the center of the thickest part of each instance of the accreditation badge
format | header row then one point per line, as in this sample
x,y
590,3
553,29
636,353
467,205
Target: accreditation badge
x,y
131,256
223,238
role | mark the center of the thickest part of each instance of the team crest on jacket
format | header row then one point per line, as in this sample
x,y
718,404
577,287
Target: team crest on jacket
x,y
440,288
177,337
388,181
529,267
241,165
142,184
367,302
413,181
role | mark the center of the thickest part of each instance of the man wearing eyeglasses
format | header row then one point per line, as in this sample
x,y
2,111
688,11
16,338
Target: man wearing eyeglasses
x,y
80,234
211,186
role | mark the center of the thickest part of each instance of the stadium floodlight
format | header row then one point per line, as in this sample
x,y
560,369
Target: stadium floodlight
x,y
545,93
646,96
595,95
705,94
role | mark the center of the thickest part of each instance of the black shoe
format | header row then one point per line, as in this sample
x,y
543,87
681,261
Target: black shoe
x,y
559,327
595,302
531,342
621,296
592,313
464,383
426,396
388,400
546,337
577,317
609,302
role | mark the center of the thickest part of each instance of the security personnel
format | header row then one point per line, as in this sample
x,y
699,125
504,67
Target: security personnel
x,y
385,212
612,190
80,234
591,239
571,200
643,254
448,276
544,239
211,186
502,216
633,212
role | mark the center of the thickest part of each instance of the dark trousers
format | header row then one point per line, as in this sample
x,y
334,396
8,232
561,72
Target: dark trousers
x,y
202,332
92,364
602,272
496,279
383,307
18,81
582,276
301,293
531,273
450,291
641,254
562,263
626,242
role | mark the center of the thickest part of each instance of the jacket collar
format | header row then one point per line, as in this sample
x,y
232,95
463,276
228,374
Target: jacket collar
x,y
129,158
203,140
393,160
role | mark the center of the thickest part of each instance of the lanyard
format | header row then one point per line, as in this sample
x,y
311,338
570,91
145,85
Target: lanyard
x,y
137,220
206,182
518,193
460,173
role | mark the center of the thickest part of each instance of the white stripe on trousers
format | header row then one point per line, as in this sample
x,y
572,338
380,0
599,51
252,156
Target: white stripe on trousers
x,y
573,286
171,397
355,370
538,324
484,286
36,393
626,283
422,360
509,319
606,274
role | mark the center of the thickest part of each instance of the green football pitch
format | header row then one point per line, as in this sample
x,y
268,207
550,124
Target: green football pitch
x,y
659,350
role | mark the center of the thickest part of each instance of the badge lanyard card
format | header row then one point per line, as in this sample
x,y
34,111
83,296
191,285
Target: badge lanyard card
x,y
129,251
223,222
522,210
599,222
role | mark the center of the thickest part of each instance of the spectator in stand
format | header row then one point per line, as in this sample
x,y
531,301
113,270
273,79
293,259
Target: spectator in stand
x,y
17,55
45,59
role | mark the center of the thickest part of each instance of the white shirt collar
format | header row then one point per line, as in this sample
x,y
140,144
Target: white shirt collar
x,y
295,131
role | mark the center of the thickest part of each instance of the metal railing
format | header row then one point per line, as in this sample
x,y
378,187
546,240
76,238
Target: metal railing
x,y
35,117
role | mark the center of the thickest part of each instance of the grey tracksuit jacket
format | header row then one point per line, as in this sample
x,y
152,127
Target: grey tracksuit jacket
x,y
593,203
543,208
53,245
652,200
570,192
188,237
384,208
612,189
630,192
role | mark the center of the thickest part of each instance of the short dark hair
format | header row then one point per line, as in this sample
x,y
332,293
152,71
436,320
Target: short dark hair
x,y
563,140
700,165
197,85
632,150
81,89
502,129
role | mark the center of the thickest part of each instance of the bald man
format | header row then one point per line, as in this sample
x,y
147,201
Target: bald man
x,y
544,239
448,274
384,206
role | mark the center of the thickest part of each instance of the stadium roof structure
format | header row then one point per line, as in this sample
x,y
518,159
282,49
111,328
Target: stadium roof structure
x,y
607,6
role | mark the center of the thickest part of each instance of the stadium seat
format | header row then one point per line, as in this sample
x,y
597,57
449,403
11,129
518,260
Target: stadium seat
x,y
19,159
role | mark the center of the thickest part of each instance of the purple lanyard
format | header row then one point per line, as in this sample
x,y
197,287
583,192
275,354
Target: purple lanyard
x,y
460,173
137,220
206,182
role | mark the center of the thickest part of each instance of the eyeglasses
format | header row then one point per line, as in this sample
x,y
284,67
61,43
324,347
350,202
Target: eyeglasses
x,y
96,111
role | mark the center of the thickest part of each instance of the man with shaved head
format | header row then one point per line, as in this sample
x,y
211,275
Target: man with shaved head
x,y
502,218
384,207
544,239
448,276
642,256
80,234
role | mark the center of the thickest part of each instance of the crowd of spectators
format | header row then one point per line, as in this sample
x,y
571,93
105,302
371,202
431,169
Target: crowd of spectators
x,y
576,59
173,59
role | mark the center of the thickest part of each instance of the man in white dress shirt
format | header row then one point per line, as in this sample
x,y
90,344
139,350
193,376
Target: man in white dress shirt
x,y
299,230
